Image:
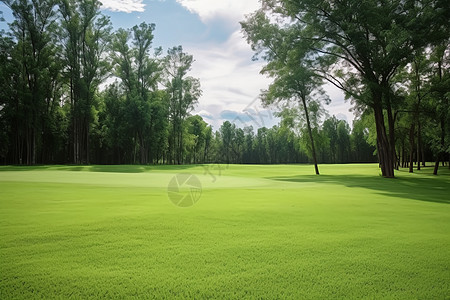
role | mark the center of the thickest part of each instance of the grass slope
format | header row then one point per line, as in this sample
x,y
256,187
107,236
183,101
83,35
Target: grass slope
x,y
256,232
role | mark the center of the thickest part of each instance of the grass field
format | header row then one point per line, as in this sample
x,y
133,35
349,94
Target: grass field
x,y
256,232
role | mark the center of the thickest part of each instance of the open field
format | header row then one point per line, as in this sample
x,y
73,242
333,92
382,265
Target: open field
x,y
256,232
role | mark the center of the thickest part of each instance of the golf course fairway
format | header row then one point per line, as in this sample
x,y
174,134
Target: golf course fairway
x,y
254,231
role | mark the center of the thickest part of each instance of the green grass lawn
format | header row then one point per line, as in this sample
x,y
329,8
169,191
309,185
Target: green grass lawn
x,y
268,232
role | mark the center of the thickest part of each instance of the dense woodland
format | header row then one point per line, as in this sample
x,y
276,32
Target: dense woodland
x,y
73,90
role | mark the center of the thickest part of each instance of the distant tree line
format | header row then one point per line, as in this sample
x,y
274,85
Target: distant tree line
x,y
282,144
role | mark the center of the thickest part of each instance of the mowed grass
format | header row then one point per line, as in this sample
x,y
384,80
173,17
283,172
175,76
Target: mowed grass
x,y
268,232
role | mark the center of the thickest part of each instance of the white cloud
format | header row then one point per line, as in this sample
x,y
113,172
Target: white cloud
x,y
231,11
127,6
338,106
205,114
230,80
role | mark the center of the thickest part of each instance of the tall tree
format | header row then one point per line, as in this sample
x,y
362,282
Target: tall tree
x,y
140,74
9,102
227,132
85,38
294,82
440,87
197,128
183,91
34,29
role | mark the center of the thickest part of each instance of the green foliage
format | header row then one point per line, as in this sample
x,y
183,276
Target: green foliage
x,y
199,135
183,93
30,87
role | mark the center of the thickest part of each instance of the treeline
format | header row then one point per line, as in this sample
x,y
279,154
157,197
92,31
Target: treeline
x,y
277,145
337,143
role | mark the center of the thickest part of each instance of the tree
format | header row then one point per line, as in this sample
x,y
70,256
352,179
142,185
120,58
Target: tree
x,y
114,125
37,75
238,144
85,40
294,82
197,128
139,74
329,129
159,106
183,92
208,133
248,151
227,132
440,87
362,149
9,102
343,141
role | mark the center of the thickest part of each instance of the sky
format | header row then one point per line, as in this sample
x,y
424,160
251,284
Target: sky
x,y
210,31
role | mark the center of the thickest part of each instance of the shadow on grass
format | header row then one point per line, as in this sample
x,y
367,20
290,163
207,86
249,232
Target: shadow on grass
x,y
136,168
424,188
98,168
24,168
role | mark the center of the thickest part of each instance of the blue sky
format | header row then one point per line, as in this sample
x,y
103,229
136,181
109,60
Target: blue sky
x,y
210,31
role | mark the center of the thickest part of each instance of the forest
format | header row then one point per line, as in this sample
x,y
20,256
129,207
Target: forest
x,y
75,91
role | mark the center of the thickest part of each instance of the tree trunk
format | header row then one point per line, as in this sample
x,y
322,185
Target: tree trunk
x,y
310,136
384,153
33,145
403,153
28,161
436,166
391,124
419,145
440,153
87,143
180,144
411,150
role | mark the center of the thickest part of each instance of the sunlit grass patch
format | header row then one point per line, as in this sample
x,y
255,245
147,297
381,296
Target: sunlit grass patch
x,y
256,231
